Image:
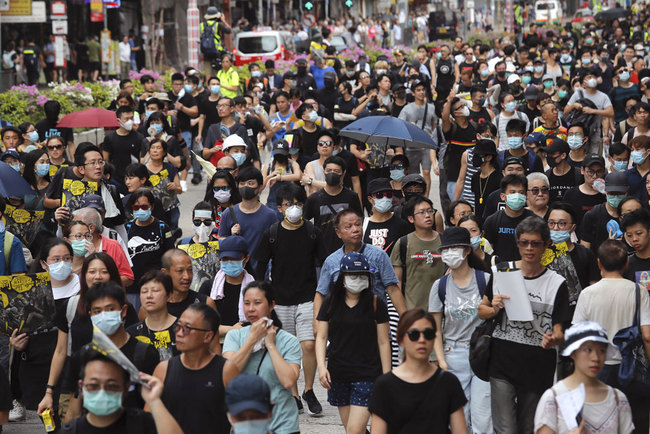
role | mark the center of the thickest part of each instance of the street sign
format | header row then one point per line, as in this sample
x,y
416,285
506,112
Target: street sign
x,y
60,46
308,20
38,14
18,7
309,5
4,5
58,8
60,27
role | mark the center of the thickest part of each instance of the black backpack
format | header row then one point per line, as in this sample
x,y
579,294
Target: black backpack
x,y
208,46
30,60
576,116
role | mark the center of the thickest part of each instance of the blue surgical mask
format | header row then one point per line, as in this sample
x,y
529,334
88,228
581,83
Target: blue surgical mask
x,y
397,174
548,84
624,76
638,157
515,201
336,152
33,136
42,169
514,142
142,214
560,236
108,322
215,89
256,426
61,270
16,167
620,166
574,142
438,55
615,200
188,88
539,69
511,106
239,157
586,61
526,79
589,41
232,268
256,73
101,402
384,204
476,241
157,127
485,73
313,116
148,113
562,94
79,247
529,69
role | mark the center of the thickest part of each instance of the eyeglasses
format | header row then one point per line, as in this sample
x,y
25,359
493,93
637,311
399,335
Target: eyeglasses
x,y
383,194
140,207
414,334
288,204
223,105
429,211
223,188
57,259
96,163
575,135
198,222
397,167
560,224
54,147
187,329
599,173
537,190
108,387
327,143
535,244
87,237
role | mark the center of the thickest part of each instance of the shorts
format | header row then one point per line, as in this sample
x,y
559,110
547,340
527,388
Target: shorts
x,y
94,66
418,157
298,319
344,393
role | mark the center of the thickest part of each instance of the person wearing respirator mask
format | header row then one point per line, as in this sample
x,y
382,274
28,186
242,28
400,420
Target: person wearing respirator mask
x,y
222,192
202,223
248,400
461,290
384,227
78,234
459,133
358,333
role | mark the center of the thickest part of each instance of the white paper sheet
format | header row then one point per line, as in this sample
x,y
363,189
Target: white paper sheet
x,y
511,283
570,405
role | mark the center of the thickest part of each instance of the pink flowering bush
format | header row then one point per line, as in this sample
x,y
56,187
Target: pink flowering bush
x,y
159,80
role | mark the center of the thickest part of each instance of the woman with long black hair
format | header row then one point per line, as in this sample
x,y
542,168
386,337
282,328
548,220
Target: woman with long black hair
x,y
222,192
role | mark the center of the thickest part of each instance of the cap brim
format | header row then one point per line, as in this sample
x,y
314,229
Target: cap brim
x,y
241,406
616,189
280,152
612,351
454,245
230,254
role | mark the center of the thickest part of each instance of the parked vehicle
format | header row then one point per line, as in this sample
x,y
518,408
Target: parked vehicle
x,y
548,11
443,25
582,16
269,44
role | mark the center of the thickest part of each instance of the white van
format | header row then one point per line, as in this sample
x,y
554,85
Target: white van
x,y
271,44
548,11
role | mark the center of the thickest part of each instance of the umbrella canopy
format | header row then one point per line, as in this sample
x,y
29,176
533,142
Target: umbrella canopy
x,y
612,14
388,130
11,183
91,118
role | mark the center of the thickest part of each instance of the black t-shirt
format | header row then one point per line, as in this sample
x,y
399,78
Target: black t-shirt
x,y
500,232
323,208
585,264
327,97
416,408
561,184
582,202
209,109
351,167
5,392
188,101
353,349
531,113
493,204
295,255
47,129
177,309
138,420
146,247
594,226
445,73
385,234
308,142
638,270
253,126
480,116
123,150
459,140
164,341
482,187
228,306
55,189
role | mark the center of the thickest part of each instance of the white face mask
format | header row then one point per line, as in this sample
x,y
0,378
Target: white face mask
x,y
203,232
128,125
355,283
222,196
453,257
293,214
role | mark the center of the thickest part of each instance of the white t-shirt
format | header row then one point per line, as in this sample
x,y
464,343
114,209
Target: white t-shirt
x,y
602,417
125,51
611,303
72,288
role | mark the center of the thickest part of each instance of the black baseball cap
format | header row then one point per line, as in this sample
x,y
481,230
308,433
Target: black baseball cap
x,y
379,184
555,144
593,159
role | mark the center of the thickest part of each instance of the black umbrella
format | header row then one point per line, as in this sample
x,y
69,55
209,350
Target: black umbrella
x,y
612,14
12,184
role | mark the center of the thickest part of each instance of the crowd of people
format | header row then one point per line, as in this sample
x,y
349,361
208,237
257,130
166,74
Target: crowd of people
x,y
347,272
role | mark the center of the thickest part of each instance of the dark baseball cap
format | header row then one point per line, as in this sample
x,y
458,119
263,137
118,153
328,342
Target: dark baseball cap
x,y
513,160
248,392
281,147
616,183
289,75
379,184
233,247
531,93
397,86
93,201
593,159
9,153
536,138
301,61
555,144
413,179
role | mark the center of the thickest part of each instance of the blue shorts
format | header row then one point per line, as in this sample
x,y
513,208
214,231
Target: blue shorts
x,y
344,393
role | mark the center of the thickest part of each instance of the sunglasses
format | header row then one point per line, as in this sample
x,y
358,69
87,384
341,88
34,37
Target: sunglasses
x,y
54,147
327,143
537,190
525,243
140,207
223,188
198,222
414,335
397,167
383,194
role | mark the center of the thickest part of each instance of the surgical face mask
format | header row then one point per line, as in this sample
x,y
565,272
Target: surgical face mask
x,y
148,113
381,71
239,157
332,179
529,69
453,257
586,61
16,167
79,247
61,270
638,157
615,200
464,111
128,125
384,204
356,283
256,426
188,88
565,58
605,59
203,232
232,268
157,128
142,214
215,89
42,169
313,116
562,94
515,142
560,236
222,196
33,136
548,84
620,166
515,201
101,402
511,106
591,83
248,193
589,41
336,152
539,69
485,73
397,174
439,55
108,322
256,73
574,142
293,214
624,76
476,241
526,79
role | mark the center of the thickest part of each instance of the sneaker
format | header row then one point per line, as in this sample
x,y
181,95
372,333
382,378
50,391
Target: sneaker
x,y
196,179
184,186
299,404
313,406
17,414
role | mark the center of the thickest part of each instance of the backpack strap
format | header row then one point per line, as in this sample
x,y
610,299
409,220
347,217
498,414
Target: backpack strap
x,y
70,311
233,216
311,230
9,240
403,244
140,353
273,232
442,288
480,282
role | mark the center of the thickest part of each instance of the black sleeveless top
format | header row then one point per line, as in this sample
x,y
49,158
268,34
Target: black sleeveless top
x,y
196,397
177,309
460,139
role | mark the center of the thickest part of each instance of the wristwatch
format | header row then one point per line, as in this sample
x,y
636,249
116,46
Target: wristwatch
x,y
309,181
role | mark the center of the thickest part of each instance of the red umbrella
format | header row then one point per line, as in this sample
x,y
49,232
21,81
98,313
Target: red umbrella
x,y
91,118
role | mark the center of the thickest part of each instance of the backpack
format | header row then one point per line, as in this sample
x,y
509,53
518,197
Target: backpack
x,y
29,59
502,156
442,285
576,116
208,46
